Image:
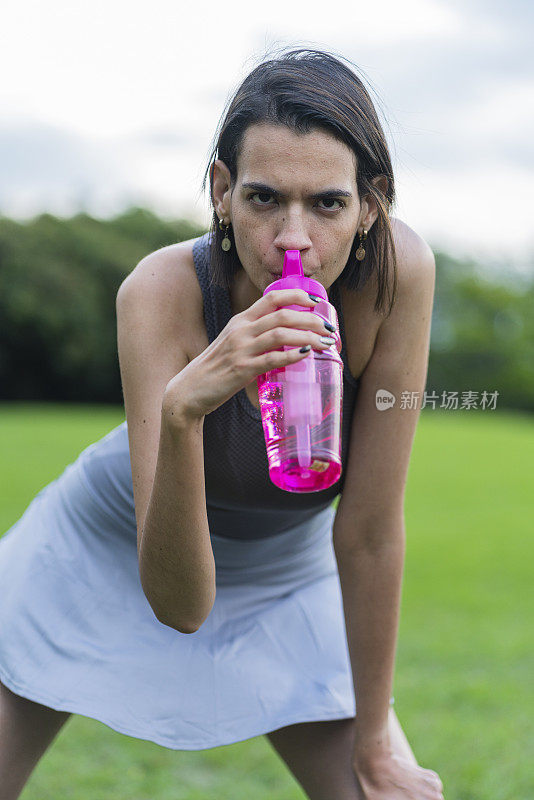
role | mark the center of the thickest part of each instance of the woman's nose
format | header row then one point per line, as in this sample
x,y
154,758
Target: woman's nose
x,y
292,234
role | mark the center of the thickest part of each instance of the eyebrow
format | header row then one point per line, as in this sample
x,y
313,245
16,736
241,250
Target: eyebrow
x,y
327,194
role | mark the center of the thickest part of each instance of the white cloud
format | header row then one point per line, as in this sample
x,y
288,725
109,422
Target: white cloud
x,y
117,101
486,212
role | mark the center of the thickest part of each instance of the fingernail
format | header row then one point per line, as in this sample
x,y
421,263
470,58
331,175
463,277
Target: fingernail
x,y
327,339
305,348
329,327
314,298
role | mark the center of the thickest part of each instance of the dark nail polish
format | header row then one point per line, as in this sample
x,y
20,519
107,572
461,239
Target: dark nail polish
x,y
329,327
314,298
305,348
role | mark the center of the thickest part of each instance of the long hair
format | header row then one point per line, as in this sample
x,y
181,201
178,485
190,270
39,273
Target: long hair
x,y
306,90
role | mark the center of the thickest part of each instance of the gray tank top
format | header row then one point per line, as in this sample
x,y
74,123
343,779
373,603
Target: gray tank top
x,y
241,500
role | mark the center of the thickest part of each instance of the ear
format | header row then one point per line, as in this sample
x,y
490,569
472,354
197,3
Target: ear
x,y
220,188
369,209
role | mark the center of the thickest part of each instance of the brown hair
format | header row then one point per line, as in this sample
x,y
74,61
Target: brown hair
x,y
305,90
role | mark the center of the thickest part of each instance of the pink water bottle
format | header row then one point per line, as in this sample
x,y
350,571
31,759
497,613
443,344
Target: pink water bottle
x,y
302,404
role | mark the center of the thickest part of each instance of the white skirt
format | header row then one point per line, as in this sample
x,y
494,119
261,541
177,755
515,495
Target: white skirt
x,y
77,633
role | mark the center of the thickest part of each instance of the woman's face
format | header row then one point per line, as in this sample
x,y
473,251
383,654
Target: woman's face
x,y
272,207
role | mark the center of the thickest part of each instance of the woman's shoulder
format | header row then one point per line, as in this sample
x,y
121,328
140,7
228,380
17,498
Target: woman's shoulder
x,y
413,258
168,280
167,263
170,270
410,248
168,260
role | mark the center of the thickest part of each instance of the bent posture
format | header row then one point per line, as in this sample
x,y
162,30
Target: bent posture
x,y
162,584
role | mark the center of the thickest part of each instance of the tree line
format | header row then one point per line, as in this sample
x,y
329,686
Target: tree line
x,y
58,341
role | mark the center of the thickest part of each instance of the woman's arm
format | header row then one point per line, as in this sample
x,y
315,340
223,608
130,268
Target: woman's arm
x,y
368,533
175,557
156,323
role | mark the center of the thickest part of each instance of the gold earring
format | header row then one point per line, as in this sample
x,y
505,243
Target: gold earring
x,y
226,243
360,252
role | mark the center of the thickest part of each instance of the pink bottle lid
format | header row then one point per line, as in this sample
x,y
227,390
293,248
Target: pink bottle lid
x,y
293,278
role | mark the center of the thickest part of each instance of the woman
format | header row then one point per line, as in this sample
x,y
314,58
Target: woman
x,y
245,609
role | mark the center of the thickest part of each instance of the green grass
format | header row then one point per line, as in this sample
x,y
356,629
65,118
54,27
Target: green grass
x,y
463,681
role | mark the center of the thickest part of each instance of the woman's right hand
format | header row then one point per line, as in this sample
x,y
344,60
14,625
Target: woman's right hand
x,y
245,348
391,776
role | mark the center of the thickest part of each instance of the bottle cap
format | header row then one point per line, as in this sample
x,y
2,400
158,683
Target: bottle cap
x,y
293,277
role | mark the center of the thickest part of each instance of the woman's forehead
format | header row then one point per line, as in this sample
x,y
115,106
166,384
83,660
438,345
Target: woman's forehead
x,y
275,152
261,138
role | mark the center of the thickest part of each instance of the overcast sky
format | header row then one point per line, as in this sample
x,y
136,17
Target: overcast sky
x,y
107,103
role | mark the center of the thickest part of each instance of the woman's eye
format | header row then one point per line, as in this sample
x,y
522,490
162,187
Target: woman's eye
x,y
261,194
266,197
332,200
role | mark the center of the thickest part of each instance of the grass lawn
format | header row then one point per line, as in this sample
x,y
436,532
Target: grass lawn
x,y
463,684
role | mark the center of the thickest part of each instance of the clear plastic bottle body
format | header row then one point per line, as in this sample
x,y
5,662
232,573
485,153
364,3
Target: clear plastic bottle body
x,y
304,458
302,403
